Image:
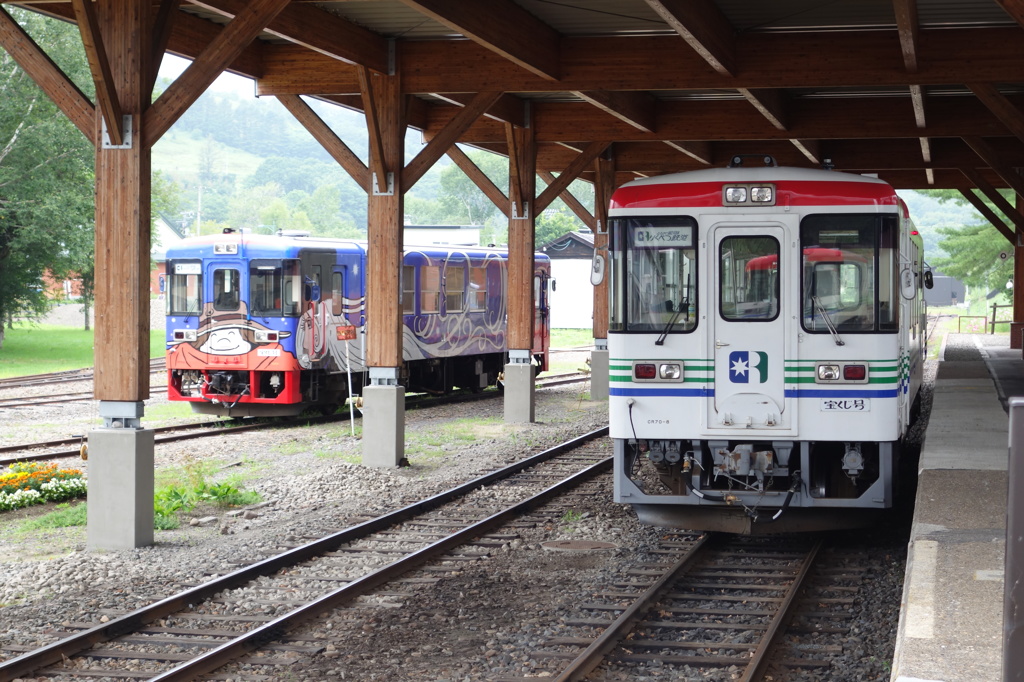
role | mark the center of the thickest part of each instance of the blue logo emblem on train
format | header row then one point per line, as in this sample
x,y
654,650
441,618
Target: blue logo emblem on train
x,y
743,363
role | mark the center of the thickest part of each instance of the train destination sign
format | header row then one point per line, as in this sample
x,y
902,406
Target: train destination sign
x,y
657,237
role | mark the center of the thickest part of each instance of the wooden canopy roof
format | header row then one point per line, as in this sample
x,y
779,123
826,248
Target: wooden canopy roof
x,y
925,93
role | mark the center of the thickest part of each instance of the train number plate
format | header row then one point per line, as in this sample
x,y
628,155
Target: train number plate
x,y
845,404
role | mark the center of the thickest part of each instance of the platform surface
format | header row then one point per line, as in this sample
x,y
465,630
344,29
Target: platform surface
x,y
951,620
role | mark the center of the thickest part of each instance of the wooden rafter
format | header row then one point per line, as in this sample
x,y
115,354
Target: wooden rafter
x,y
210,63
988,214
508,108
479,178
698,151
57,86
502,27
771,104
334,145
995,197
518,197
574,204
317,30
163,24
991,158
579,164
704,28
96,55
441,142
634,108
1015,8
1000,106
810,149
908,27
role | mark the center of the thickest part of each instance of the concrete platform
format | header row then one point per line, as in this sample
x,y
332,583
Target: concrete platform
x,y
951,621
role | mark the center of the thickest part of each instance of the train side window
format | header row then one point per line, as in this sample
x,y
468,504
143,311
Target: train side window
x,y
657,260
337,290
839,273
265,281
478,288
409,289
455,287
430,289
186,288
292,288
225,289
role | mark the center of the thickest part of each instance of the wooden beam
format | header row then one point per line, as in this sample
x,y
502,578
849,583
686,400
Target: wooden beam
x,y
998,104
634,108
315,29
1015,8
908,27
334,145
989,215
604,186
479,178
581,162
441,142
379,167
698,151
96,55
704,28
47,75
502,27
508,108
991,158
574,204
522,221
771,104
926,150
660,63
210,63
917,100
519,200
809,148
166,15
995,197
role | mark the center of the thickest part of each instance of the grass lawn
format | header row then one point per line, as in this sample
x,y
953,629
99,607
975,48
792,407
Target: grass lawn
x,y
571,338
38,349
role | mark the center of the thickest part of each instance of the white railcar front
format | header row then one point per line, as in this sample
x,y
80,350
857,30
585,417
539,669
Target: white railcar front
x,y
765,342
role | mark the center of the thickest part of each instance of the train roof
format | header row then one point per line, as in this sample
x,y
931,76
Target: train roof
x,y
793,186
287,246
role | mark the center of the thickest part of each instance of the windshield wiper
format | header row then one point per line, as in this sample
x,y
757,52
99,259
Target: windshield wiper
x,y
684,306
828,321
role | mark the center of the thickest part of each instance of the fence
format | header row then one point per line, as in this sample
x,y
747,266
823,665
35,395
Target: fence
x,y
987,325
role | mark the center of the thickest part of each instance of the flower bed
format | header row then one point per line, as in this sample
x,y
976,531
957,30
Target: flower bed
x,y
27,483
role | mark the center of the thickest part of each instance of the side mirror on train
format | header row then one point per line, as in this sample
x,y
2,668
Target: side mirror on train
x,y
929,281
908,285
597,269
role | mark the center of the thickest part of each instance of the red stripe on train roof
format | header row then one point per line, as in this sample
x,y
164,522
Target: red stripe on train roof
x,y
789,193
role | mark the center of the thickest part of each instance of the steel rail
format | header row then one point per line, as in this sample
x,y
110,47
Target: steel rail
x,y
591,657
759,660
130,622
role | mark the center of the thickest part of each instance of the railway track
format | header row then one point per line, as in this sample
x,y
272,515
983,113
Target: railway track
x,y
68,376
43,450
718,602
248,612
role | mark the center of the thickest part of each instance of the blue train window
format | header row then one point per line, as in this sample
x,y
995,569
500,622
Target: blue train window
x,y
408,289
477,288
186,288
455,287
430,289
225,289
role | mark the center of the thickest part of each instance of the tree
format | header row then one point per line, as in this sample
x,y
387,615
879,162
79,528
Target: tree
x,y
46,171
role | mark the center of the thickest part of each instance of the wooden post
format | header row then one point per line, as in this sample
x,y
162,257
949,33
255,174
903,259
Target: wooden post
x,y
1017,326
604,185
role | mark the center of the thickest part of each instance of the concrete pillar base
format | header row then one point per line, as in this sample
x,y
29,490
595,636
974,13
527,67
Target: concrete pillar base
x,y
120,500
519,393
383,426
599,382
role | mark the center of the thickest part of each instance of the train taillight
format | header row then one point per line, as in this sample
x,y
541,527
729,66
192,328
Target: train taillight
x,y
855,372
184,334
266,336
645,371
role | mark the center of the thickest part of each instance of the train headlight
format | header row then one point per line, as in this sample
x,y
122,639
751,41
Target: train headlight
x,y
761,195
735,195
266,336
225,248
828,372
184,334
670,371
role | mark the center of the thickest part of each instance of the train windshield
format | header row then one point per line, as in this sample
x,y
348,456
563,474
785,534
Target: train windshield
x,y
654,275
274,288
185,288
849,273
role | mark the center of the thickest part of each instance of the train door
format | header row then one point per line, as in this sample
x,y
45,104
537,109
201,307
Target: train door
x,y
316,301
541,313
748,327
223,341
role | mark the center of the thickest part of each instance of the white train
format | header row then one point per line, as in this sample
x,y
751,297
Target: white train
x,y
766,343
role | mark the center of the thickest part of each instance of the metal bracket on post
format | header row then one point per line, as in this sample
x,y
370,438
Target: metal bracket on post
x,y
122,415
600,344
520,357
384,376
126,127
377,191
515,211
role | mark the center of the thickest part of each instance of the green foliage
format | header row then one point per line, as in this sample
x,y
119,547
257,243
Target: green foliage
x,y
974,256
571,338
37,349
63,516
182,497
